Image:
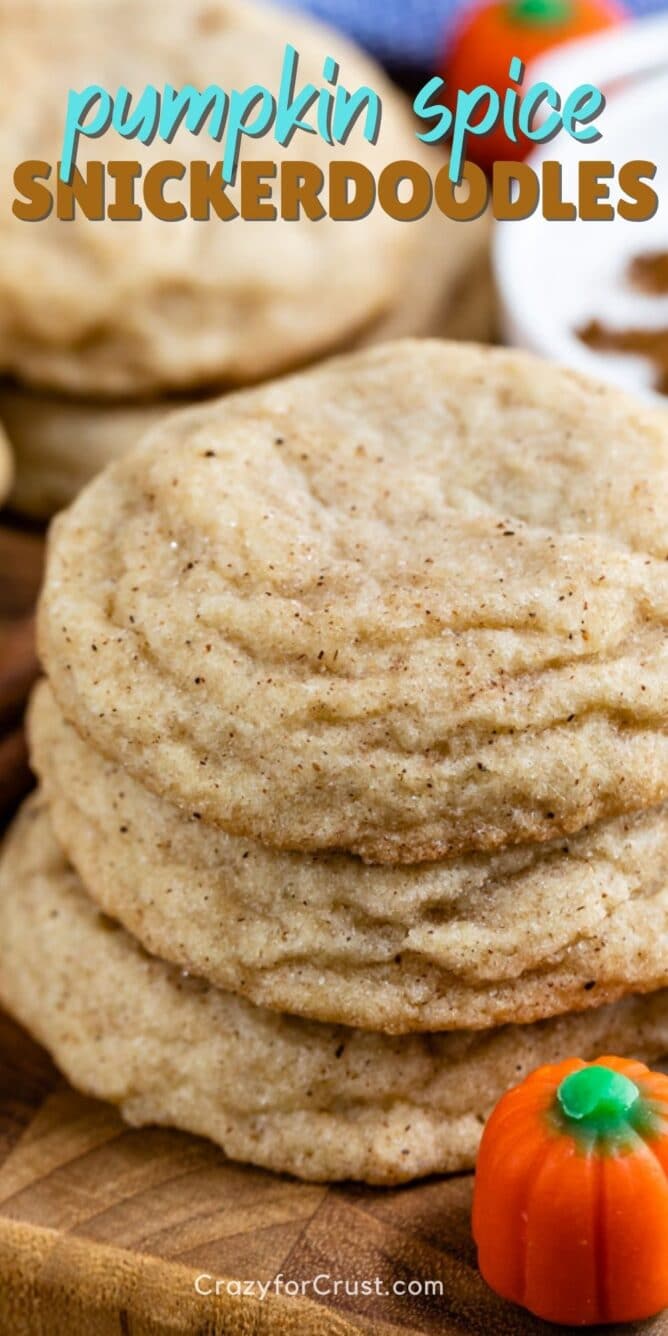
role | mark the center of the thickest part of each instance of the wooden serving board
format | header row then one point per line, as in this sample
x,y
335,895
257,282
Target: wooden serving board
x,y
104,1230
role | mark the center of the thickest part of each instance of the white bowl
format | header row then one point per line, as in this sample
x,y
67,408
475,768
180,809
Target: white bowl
x,y
554,277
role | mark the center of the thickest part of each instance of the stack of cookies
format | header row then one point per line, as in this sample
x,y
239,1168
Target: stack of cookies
x,y
103,322
353,760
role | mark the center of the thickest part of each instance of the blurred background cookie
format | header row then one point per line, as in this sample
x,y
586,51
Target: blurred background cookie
x,y
119,310
60,443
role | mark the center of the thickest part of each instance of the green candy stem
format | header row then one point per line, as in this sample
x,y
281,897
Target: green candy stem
x,y
597,1100
530,13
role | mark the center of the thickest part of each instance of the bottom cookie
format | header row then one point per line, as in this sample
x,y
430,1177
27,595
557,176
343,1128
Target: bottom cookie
x,y
318,1101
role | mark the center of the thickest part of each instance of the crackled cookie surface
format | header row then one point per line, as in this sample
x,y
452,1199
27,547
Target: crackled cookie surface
x,y
410,603
476,941
135,307
319,1101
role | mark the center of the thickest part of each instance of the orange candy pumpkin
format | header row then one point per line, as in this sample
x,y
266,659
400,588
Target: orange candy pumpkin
x,y
490,34
570,1210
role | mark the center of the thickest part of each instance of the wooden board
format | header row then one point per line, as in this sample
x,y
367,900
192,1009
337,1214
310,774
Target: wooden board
x,y
104,1229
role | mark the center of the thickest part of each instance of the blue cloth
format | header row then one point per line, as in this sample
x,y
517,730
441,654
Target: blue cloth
x,y
409,32
406,32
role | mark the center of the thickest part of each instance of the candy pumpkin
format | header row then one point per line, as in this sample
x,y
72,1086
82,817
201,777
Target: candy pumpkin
x,y
570,1210
490,34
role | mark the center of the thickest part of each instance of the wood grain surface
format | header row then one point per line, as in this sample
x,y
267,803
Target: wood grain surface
x,y
105,1229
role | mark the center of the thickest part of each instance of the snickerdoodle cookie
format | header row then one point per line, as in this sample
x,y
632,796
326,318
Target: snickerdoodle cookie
x,y
518,935
141,307
319,1101
411,603
61,443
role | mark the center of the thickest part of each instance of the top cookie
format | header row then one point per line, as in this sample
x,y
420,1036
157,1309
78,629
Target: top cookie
x,y
410,603
113,308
